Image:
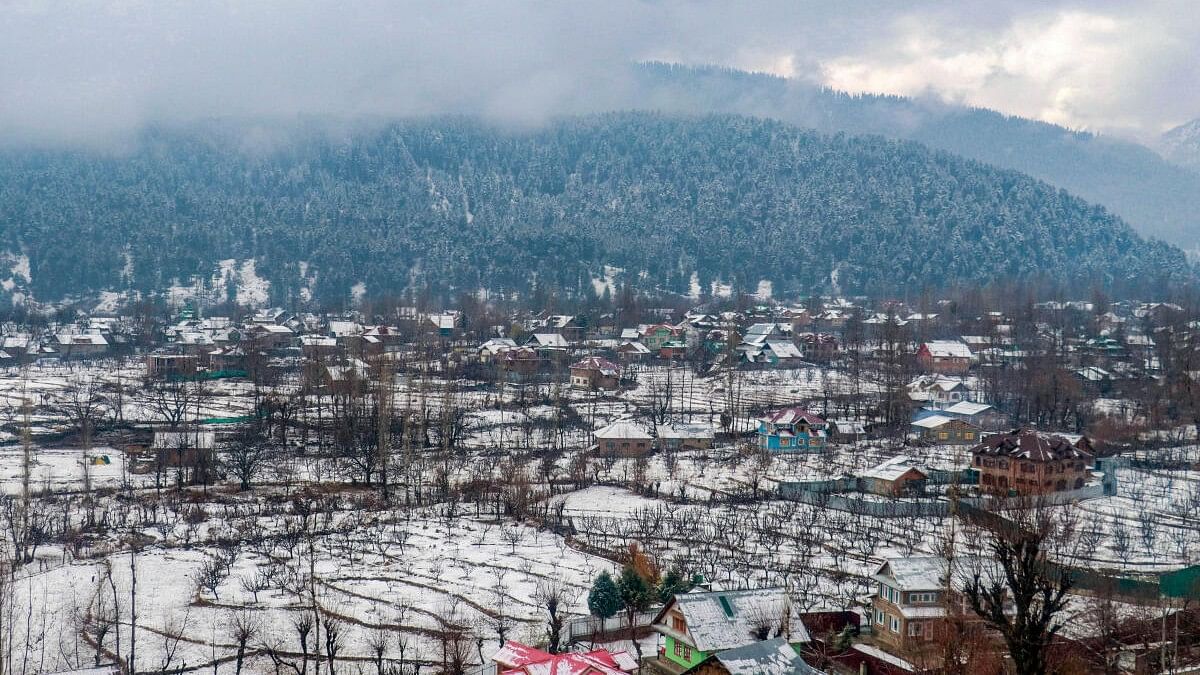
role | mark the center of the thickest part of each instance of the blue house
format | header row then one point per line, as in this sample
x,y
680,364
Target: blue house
x,y
791,430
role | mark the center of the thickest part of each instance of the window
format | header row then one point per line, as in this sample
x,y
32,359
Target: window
x,y
678,624
969,435
879,617
914,629
895,624
942,435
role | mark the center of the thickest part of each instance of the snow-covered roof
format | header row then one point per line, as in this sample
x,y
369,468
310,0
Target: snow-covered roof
x,y
792,416
784,350
769,657
606,367
623,429
948,349
82,339
719,620
931,421
1031,445
893,469
552,340
913,573
636,347
683,431
967,408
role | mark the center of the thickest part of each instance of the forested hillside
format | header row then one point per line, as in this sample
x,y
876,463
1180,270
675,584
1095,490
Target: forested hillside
x,y
455,204
1157,197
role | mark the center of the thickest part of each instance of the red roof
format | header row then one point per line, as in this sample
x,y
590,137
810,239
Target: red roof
x,y
515,658
605,366
792,416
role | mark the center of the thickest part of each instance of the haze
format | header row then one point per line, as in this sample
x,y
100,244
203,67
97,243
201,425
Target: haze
x,y
88,72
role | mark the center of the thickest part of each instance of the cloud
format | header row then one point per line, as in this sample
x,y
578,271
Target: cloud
x,y
1082,69
90,71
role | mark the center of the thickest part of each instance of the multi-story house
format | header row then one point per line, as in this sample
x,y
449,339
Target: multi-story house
x,y
1026,462
909,602
945,356
594,373
791,430
659,334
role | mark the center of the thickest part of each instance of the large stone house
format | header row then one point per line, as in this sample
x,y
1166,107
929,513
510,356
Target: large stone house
x,y
1026,462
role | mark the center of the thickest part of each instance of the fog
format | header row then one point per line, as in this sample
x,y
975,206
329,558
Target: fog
x,y
93,73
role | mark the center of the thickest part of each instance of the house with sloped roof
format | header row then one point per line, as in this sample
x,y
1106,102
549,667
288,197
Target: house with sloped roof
x,y
595,374
623,438
679,435
938,391
697,625
937,427
896,477
945,356
1028,462
791,430
768,657
515,658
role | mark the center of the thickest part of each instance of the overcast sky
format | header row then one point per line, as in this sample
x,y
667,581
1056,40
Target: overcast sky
x,y
85,70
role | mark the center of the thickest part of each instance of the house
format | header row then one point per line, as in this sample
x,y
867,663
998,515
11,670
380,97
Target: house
x,y
940,428
595,374
488,351
791,430
773,353
768,657
318,346
441,325
522,364
269,336
570,327
912,597
938,391
231,357
897,477
980,415
817,346
81,345
171,366
630,351
623,438
909,603
945,356
684,436
846,431
697,625
656,335
186,449
548,342
1026,462
515,658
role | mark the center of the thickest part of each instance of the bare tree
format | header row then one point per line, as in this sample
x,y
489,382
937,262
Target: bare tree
x,y
1022,597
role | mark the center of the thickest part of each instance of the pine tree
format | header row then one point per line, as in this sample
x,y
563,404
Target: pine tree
x,y
604,601
673,583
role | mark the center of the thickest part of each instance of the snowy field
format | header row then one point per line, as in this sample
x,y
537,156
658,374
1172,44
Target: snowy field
x,y
467,548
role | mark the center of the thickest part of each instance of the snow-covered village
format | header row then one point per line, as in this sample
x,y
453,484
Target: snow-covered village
x,y
602,337
743,487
